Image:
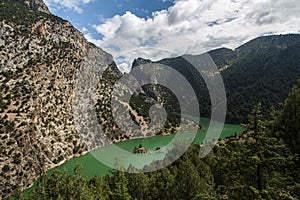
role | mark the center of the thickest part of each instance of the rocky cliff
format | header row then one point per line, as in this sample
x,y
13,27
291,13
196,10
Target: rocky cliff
x,y
38,5
40,55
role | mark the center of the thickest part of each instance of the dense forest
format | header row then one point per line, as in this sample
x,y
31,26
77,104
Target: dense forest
x,y
262,163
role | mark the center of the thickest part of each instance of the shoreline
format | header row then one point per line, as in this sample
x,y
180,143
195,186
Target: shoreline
x,y
52,166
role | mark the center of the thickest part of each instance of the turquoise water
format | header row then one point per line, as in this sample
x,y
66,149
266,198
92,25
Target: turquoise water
x,y
91,166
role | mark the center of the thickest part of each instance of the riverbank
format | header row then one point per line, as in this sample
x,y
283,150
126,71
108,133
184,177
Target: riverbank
x,y
91,166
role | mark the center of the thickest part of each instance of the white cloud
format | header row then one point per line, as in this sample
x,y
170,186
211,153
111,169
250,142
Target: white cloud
x,y
84,30
192,26
74,5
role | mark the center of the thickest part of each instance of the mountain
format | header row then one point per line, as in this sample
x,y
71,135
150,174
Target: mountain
x,y
222,57
38,5
40,57
56,96
262,70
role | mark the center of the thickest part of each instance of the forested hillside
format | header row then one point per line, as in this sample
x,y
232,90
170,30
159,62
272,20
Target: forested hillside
x,y
41,57
262,70
263,163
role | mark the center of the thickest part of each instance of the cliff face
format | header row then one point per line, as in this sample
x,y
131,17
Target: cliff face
x,y
38,5
40,55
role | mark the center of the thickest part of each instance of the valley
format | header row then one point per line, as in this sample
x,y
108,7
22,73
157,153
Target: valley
x,y
59,112
91,166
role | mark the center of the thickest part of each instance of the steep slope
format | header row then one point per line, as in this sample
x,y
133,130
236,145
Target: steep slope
x,y
40,55
262,70
47,112
38,5
222,57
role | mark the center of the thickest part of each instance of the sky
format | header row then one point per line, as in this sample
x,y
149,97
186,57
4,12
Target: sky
x,y
156,29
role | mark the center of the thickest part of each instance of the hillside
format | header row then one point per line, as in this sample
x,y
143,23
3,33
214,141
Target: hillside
x,y
50,103
40,55
261,163
262,70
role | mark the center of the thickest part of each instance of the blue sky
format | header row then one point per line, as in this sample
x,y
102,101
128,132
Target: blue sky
x,y
156,29
88,13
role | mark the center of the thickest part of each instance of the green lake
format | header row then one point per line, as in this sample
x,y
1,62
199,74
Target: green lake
x,y
91,166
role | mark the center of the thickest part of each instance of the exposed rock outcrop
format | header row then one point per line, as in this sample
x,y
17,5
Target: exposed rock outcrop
x,y
40,56
38,5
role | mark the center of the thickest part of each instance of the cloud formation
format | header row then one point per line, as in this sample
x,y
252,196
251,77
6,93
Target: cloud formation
x,y
194,26
74,5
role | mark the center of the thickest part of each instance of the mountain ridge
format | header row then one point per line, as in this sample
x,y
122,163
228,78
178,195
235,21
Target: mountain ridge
x,y
40,56
261,70
38,5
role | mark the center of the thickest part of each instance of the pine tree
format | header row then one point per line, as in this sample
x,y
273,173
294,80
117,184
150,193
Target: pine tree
x,y
118,186
189,183
138,185
290,120
161,184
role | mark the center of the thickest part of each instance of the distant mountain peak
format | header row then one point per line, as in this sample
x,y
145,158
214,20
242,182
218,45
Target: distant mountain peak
x,y
140,61
38,5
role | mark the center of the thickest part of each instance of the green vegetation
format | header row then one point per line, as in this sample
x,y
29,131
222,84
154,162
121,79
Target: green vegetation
x,y
262,70
140,149
140,104
262,163
17,13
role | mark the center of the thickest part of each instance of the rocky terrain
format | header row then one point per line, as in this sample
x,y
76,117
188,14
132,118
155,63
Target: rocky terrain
x,y
41,56
57,91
